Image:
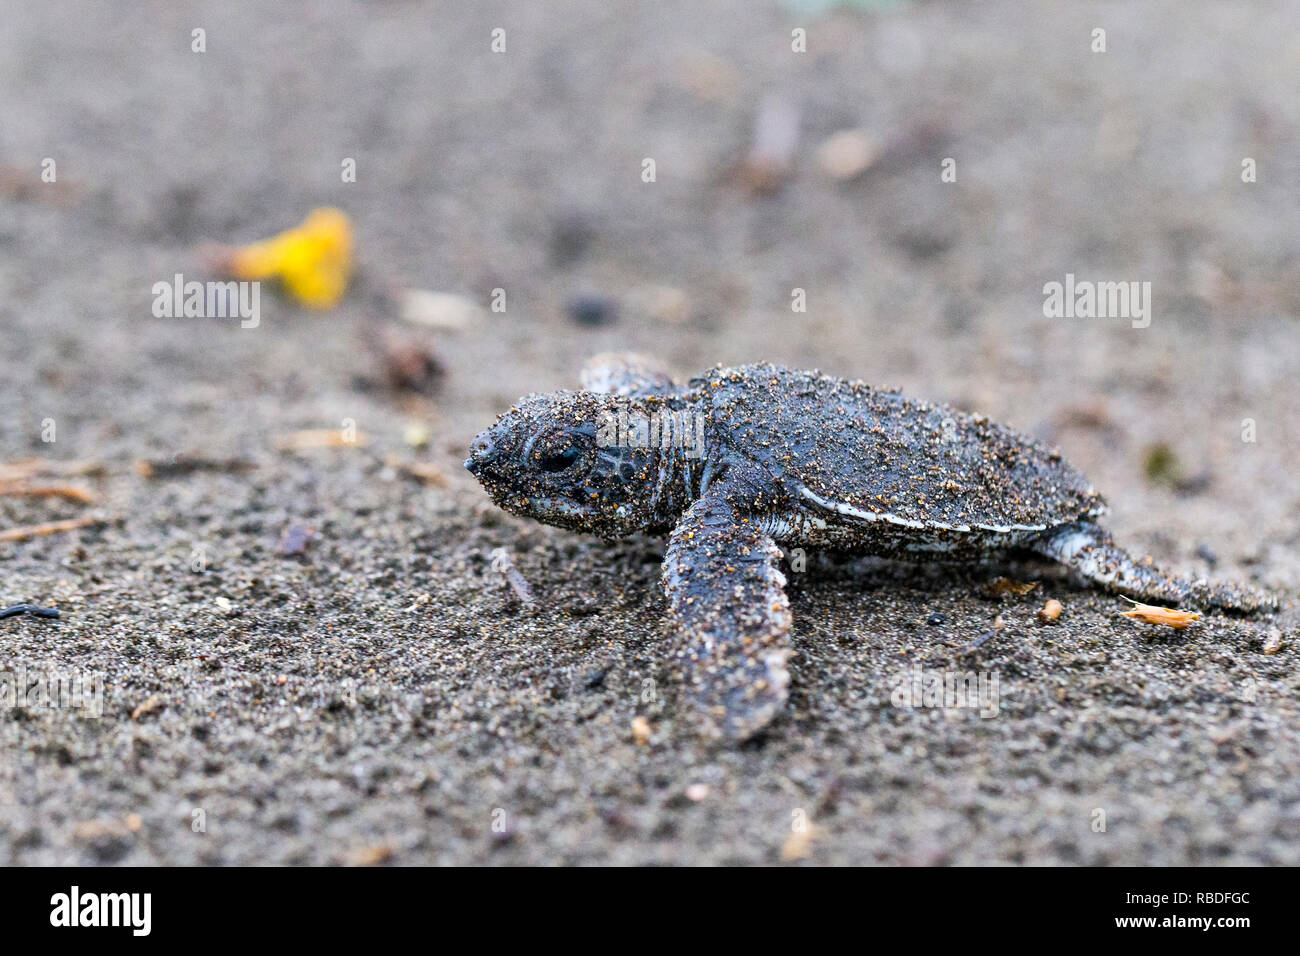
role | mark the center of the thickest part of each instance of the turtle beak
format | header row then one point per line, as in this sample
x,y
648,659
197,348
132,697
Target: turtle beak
x,y
482,454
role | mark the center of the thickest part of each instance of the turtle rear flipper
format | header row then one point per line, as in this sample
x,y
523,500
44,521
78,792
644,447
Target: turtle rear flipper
x,y
1087,549
728,604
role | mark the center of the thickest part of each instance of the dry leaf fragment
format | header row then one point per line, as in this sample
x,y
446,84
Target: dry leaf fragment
x,y
68,492
1050,611
1000,587
322,438
148,707
667,304
409,362
416,435
425,472
641,730
439,310
32,467
1152,614
371,855
99,829
798,845
50,527
708,77
847,154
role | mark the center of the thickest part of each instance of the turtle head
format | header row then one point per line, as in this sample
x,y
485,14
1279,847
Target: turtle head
x,y
558,458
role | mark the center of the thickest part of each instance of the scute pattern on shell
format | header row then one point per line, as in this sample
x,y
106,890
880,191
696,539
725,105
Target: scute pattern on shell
x,y
881,452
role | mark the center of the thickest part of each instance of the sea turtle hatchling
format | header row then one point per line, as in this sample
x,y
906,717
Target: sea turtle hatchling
x,y
742,459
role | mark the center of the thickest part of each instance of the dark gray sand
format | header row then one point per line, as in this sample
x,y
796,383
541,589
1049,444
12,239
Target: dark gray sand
x,y
384,696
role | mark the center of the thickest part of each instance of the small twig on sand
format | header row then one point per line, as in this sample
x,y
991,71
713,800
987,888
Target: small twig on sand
x,y
776,140
322,438
980,641
31,467
425,472
184,465
70,492
49,527
31,609
20,183
504,563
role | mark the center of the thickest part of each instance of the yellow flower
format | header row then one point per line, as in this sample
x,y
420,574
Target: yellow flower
x,y
314,260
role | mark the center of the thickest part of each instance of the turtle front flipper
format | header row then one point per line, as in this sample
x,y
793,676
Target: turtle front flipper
x,y
727,600
625,373
1087,549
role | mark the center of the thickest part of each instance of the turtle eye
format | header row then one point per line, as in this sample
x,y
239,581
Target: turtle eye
x,y
559,461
